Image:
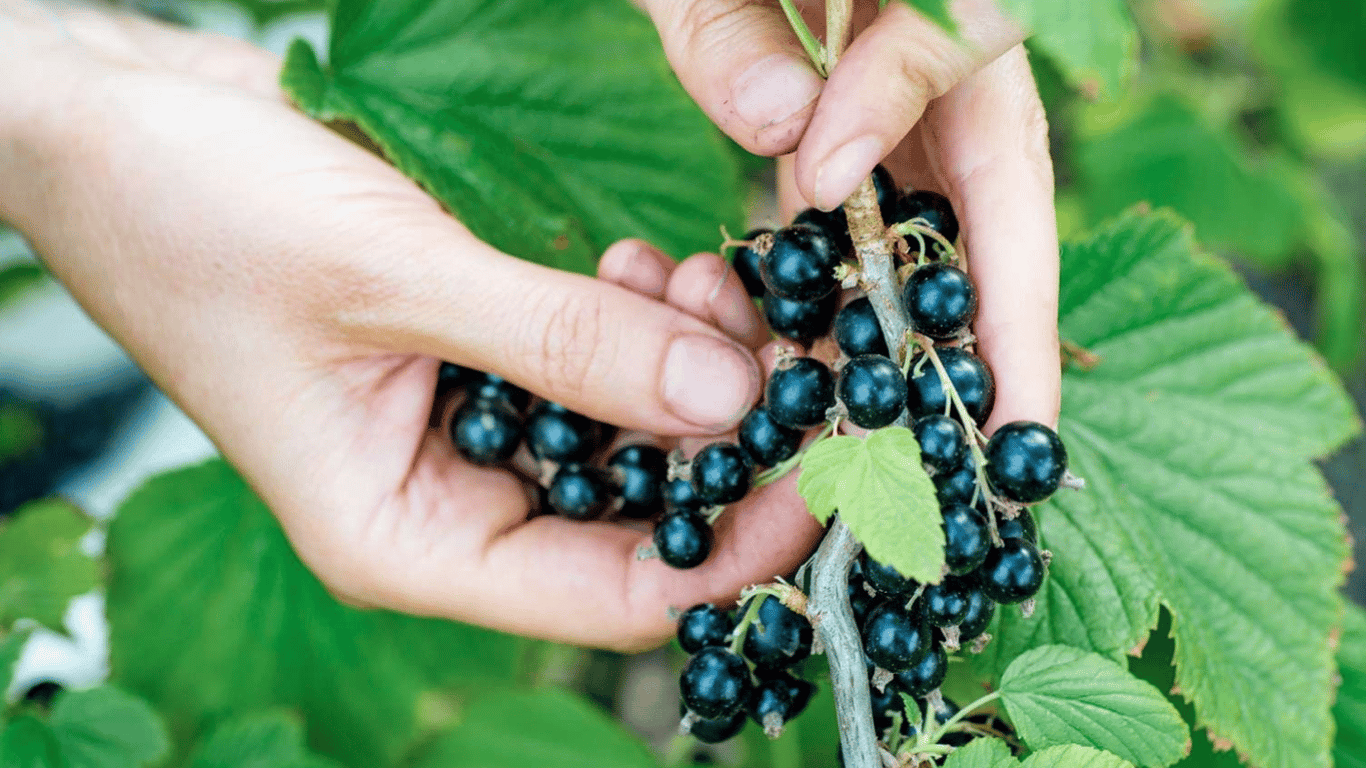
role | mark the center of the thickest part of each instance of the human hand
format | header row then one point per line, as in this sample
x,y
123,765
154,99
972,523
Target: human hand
x,y
958,115
295,295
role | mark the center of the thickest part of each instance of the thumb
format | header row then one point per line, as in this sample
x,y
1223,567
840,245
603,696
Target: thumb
x,y
743,66
592,346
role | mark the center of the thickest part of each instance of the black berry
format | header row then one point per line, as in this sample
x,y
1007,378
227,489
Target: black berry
x,y
800,321
486,432
943,443
746,263
884,578
894,638
1019,527
1025,461
704,625
640,472
679,496
940,300
885,703
944,604
835,224
873,391
768,442
799,395
555,433
779,638
715,682
859,600
1011,572
980,610
857,331
958,486
801,264
966,538
772,699
450,377
580,492
887,195
721,473
934,208
683,539
717,730
927,675
969,376
489,386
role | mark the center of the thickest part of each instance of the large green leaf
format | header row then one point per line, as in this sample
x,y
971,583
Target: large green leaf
x,y
982,753
993,753
212,614
882,493
550,129
1349,750
1056,695
97,728
270,739
516,729
1094,42
41,563
1195,433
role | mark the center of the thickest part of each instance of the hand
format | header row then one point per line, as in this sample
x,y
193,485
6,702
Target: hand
x,y
295,295
957,114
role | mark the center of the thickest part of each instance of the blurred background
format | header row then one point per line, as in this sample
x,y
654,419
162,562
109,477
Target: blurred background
x,y
1246,116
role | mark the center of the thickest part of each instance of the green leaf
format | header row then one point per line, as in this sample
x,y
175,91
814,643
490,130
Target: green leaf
x,y
1060,695
41,564
1073,756
883,494
11,646
28,743
17,280
515,729
1158,150
550,129
1195,433
1093,42
107,728
253,628
1349,750
20,430
271,739
981,753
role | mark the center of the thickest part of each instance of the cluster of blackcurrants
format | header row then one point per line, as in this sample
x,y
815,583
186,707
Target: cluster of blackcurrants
x,y
743,667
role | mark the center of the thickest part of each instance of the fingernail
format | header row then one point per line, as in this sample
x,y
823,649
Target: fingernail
x,y
773,89
708,382
844,169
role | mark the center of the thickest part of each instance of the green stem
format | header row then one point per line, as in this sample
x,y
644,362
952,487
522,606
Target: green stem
x,y
921,229
776,473
929,740
814,50
751,616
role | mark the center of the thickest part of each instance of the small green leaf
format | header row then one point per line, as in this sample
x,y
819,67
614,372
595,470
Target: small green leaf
x,y
1060,695
107,728
41,564
1093,42
11,646
982,753
551,130
1349,711
271,739
1072,756
883,494
550,727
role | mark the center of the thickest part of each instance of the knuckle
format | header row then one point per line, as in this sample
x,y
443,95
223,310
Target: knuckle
x,y
701,25
571,345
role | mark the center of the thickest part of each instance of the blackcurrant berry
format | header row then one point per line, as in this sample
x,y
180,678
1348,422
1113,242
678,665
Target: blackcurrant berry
x,y
1025,461
885,703
859,600
704,625
943,443
555,433
934,208
800,321
835,224
894,638
580,492
721,473
486,432
857,331
927,675
768,442
1011,572
450,377
779,638
980,610
640,472
801,264
679,496
772,698
746,264
946,603
1019,527
886,579
958,486
799,395
489,386
966,538
873,391
717,730
683,539
940,300
887,194
968,374
715,682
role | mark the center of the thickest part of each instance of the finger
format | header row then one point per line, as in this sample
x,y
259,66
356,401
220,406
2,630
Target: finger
x,y
706,287
880,88
638,266
743,65
993,149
